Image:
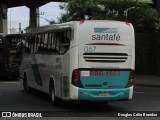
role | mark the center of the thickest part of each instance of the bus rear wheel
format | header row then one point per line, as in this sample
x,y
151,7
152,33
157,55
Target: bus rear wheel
x,y
25,84
54,99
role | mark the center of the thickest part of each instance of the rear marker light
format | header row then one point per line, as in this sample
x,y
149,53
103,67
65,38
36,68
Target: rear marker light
x,y
81,22
131,77
127,23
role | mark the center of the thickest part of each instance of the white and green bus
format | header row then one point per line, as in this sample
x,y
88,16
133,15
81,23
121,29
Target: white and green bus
x,y
80,60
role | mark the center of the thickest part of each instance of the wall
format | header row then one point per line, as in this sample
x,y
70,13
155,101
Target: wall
x,y
147,53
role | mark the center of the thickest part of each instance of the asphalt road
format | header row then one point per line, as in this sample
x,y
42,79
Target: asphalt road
x,y
14,98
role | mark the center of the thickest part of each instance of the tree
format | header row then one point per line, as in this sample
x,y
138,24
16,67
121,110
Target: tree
x,y
77,9
114,10
140,14
144,18
94,9
157,4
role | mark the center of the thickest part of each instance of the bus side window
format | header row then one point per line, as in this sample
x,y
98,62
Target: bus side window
x,y
32,44
27,50
41,43
50,42
69,34
57,43
36,43
44,44
64,41
27,47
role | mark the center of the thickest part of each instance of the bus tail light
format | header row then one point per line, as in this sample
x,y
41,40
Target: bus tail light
x,y
76,78
81,21
131,77
127,23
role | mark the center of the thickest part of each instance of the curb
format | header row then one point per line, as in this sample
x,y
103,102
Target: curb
x,y
146,85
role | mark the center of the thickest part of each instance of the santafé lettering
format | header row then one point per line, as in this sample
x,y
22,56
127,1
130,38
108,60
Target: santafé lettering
x,y
110,37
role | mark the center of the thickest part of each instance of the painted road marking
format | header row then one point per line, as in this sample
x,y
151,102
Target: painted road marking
x,y
138,92
155,101
11,82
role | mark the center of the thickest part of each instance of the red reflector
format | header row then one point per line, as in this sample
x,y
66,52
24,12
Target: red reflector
x,y
81,22
127,23
131,77
132,74
104,93
76,74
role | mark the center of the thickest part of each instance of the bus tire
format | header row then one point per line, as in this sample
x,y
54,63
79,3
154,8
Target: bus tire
x,y
54,99
25,85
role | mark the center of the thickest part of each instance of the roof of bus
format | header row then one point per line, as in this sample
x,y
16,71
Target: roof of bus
x,y
14,35
66,25
49,28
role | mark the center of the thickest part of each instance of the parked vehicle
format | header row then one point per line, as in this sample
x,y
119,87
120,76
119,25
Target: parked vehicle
x,y
10,59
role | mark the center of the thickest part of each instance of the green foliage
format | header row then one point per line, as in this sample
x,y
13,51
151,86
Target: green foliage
x,y
141,15
157,5
77,9
144,19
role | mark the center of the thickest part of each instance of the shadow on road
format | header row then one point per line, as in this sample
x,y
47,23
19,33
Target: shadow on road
x,y
78,106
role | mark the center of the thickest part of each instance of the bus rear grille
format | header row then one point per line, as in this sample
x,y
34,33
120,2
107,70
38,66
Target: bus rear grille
x,y
105,57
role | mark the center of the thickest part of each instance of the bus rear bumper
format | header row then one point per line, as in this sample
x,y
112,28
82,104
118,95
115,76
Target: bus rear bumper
x,y
112,94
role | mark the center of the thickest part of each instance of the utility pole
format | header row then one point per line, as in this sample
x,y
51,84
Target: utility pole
x,y
39,15
20,30
10,21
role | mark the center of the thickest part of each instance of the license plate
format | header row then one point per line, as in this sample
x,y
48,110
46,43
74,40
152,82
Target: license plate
x,y
104,94
104,73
